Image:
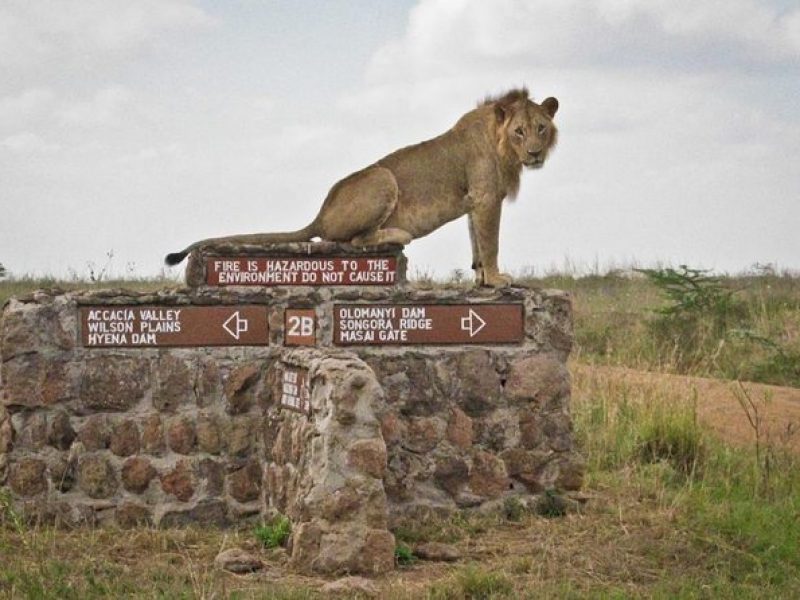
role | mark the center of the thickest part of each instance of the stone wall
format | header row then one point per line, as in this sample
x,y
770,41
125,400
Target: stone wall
x,y
173,436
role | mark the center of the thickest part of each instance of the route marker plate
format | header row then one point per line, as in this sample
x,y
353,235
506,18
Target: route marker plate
x,y
400,324
294,390
110,326
297,270
299,328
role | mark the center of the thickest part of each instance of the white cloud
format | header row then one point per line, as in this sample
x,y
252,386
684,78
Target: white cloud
x,y
105,107
27,143
16,110
34,34
447,38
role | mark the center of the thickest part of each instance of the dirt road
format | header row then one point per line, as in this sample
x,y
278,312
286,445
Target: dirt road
x,y
718,402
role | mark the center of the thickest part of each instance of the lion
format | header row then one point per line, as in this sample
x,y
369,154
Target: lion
x,y
468,170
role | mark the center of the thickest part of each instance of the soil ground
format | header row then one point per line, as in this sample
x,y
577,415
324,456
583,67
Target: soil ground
x,y
718,402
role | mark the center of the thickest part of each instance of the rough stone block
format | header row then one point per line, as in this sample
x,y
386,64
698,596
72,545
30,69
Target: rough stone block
x,y
60,433
208,435
113,383
174,383
129,515
206,512
30,328
179,482
423,434
95,433
34,381
27,477
245,483
240,387
181,435
540,379
137,472
152,441
96,476
125,438
212,474
475,385
368,456
487,475
459,430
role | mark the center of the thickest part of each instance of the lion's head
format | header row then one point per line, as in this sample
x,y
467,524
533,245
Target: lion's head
x,y
526,132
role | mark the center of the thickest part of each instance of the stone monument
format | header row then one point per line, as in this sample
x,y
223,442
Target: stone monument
x,y
306,379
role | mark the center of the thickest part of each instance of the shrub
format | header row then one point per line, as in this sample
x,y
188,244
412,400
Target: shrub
x,y
403,555
274,534
692,327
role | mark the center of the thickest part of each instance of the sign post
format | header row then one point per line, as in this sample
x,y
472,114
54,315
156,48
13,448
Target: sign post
x,y
114,326
378,324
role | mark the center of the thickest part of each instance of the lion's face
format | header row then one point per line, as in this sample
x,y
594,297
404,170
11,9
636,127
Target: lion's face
x,y
530,131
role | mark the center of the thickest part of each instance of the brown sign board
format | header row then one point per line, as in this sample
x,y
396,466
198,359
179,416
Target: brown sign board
x,y
299,328
156,326
293,390
298,270
379,324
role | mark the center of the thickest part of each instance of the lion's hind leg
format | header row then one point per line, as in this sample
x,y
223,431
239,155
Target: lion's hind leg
x,y
357,206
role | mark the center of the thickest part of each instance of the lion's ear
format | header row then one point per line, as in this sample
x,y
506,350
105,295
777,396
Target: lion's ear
x,y
550,106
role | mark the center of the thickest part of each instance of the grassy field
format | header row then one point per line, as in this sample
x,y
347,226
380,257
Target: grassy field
x,y
671,507
748,329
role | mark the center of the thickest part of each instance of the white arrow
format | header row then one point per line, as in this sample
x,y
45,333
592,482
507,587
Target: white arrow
x,y
469,323
235,325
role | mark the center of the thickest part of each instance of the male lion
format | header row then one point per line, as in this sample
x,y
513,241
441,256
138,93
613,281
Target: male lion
x,y
468,170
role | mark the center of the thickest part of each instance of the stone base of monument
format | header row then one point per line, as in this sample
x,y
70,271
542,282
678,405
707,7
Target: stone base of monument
x,y
347,410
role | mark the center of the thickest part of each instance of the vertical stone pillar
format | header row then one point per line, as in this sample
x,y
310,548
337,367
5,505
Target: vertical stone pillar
x,y
325,471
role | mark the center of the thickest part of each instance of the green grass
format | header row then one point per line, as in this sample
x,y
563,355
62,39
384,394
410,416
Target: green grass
x,y
473,583
739,506
274,534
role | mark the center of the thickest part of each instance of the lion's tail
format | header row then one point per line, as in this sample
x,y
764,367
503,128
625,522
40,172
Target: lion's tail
x,y
301,235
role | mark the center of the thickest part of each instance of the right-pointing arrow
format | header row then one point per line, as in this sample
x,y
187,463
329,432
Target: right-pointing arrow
x,y
472,323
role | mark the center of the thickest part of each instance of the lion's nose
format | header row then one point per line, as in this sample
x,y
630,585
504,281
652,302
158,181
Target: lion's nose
x,y
535,153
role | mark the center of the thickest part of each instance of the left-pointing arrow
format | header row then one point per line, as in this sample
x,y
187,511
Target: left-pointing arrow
x,y
235,325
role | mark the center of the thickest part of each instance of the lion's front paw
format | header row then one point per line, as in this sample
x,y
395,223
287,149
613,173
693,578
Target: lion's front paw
x,y
496,280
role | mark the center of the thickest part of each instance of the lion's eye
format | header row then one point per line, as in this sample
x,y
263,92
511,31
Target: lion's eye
x,y
542,128
519,131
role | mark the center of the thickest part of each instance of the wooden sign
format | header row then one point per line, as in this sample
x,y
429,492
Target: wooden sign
x,y
270,271
378,324
157,326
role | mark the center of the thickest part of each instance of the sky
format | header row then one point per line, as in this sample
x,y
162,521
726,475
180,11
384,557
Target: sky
x,y
130,128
